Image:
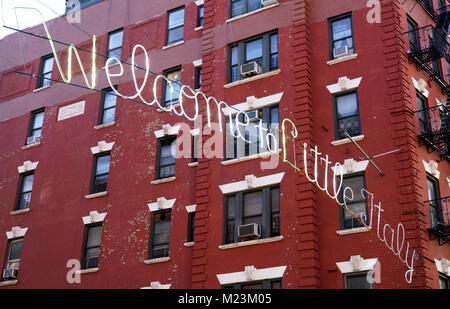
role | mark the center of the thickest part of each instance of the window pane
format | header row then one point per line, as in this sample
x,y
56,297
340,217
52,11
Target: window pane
x,y
347,105
94,236
274,43
231,207
253,50
237,8
356,210
342,28
48,65
25,201
275,199
176,18
27,183
234,56
103,164
358,282
255,286
92,257
38,120
253,204
356,183
115,40
15,250
109,115
175,35
253,5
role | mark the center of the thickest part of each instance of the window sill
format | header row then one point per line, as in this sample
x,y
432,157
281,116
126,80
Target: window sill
x,y
347,140
87,271
95,195
173,45
263,155
159,110
198,28
355,230
342,59
40,89
111,66
251,242
253,78
8,282
18,212
164,180
106,125
252,12
189,244
30,146
158,260
193,164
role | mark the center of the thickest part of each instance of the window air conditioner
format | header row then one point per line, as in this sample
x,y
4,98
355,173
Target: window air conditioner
x,y
268,2
10,273
252,116
33,140
340,51
251,68
252,230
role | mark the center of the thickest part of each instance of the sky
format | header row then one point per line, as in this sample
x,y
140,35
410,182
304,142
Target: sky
x,y
49,8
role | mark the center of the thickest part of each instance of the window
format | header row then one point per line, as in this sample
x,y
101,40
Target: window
x,y
261,207
115,45
175,26
412,34
341,34
347,115
100,173
13,256
444,282
45,71
198,77
108,107
436,67
262,49
172,86
35,129
25,188
357,206
200,15
195,148
434,200
191,227
160,234
357,281
265,284
239,7
236,147
423,113
165,162
91,246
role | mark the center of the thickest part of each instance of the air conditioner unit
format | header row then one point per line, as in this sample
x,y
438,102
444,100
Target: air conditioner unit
x,y
10,273
268,2
251,68
252,116
252,230
33,140
340,51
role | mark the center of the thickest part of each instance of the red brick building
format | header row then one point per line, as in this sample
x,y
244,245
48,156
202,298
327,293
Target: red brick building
x,y
89,179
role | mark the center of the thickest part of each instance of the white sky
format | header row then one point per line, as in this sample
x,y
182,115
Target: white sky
x,y
27,18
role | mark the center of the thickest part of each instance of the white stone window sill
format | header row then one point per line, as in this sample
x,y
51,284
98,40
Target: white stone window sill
x,y
95,195
173,45
8,282
347,140
198,28
253,78
263,155
189,244
252,12
158,260
355,230
30,146
87,271
40,89
106,125
193,164
342,59
18,212
174,106
111,66
251,242
164,180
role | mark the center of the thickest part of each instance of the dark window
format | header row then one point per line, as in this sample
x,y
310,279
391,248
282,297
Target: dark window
x,y
175,26
444,282
423,113
100,173
25,188
436,67
165,163
91,247
262,49
171,86
45,71
412,34
260,206
191,227
115,45
258,285
433,196
357,281
35,129
341,34
347,115
254,143
160,234
195,148
239,7
108,106
14,253
198,77
357,206
200,15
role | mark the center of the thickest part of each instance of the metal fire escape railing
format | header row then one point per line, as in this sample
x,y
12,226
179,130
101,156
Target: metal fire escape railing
x,y
440,219
436,15
434,125
442,20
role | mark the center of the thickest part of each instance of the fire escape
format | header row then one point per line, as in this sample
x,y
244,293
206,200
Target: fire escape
x,y
440,220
